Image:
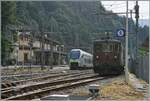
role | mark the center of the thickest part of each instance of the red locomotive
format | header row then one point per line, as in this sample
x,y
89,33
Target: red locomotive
x,y
108,57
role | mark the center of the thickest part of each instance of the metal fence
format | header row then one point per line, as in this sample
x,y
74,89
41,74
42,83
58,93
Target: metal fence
x,y
140,68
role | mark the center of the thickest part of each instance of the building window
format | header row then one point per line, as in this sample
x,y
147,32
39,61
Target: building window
x,y
21,38
25,57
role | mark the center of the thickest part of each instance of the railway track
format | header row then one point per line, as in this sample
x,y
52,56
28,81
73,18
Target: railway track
x,y
10,71
13,78
42,89
7,86
32,74
39,79
23,86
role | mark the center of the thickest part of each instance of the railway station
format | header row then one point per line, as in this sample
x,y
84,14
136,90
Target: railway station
x,y
33,54
75,50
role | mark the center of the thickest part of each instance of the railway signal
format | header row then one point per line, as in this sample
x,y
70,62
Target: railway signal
x,y
136,7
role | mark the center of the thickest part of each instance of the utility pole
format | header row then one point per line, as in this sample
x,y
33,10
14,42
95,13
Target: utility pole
x,y
17,46
126,49
60,55
131,14
31,45
42,54
130,30
51,54
51,50
23,50
59,52
136,30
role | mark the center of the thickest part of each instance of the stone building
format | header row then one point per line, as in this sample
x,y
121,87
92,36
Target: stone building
x,y
37,50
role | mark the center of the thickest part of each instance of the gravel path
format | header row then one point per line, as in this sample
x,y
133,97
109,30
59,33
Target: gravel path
x,y
108,89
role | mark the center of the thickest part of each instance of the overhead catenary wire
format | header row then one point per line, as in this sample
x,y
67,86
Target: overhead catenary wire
x,y
114,4
117,7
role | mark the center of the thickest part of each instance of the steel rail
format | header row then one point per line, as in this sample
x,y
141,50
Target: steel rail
x,y
20,75
26,88
60,85
15,83
22,82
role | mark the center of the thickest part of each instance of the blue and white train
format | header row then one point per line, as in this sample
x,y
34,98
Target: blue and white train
x,y
79,59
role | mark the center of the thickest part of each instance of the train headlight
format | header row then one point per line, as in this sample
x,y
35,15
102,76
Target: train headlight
x,y
97,57
115,57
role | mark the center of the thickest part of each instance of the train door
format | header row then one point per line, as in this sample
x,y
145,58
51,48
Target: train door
x,y
82,60
107,53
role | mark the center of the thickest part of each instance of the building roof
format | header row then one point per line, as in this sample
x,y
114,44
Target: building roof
x,y
48,50
39,37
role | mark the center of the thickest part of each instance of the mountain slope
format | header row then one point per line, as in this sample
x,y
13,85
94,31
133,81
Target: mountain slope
x,y
76,21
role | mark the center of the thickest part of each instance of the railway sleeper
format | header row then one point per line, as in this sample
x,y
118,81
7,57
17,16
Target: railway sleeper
x,y
4,86
4,96
47,85
36,87
22,82
43,92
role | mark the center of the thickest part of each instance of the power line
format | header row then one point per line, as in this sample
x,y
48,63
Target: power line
x,y
118,7
113,4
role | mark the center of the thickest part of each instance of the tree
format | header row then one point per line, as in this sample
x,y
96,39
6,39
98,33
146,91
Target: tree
x,y
8,13
8,17
53,25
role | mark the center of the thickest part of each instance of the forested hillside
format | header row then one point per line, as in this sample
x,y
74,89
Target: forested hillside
x,y
76,23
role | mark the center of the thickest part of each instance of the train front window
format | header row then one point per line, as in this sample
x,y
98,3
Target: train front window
x,y
98,48
103,47
75,54
107,47
116,48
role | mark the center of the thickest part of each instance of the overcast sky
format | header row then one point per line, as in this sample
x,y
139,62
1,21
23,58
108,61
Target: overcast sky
x,y
120,6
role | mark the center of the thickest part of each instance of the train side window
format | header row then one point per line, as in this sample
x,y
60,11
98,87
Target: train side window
x,y
107,47
98,48
111,47
117,47
89,60
114,47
